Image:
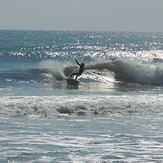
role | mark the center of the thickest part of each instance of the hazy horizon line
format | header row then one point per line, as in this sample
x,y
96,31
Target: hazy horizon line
x,y
79,30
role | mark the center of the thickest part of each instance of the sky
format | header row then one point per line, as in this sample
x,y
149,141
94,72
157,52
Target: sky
x,y
82,15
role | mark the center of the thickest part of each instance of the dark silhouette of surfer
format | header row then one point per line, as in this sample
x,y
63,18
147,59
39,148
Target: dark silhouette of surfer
x,y
81,69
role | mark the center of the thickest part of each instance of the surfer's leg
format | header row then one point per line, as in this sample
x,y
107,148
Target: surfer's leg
x,y
73,74
77,76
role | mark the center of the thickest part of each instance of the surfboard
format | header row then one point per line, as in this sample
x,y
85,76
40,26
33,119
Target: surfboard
x,y
72,82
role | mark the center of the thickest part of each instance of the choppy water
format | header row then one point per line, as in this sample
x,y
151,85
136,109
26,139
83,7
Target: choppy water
x,y
114,115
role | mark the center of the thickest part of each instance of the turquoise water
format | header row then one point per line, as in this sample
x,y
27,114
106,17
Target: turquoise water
x,y
114,115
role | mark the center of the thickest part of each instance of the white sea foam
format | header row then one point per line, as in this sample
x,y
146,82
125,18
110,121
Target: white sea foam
x,y
80,105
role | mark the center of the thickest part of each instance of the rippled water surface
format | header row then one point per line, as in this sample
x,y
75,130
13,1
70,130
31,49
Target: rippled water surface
x,y
115,138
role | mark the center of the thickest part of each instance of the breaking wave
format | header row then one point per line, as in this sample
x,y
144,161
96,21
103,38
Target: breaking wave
x,y
123,71
126,71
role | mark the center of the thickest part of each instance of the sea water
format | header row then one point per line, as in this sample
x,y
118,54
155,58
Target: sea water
x,y
114,115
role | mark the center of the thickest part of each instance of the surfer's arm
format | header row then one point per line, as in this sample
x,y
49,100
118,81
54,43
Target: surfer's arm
x,y
77,62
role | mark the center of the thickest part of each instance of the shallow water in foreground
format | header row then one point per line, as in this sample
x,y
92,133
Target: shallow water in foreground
x,y
117,138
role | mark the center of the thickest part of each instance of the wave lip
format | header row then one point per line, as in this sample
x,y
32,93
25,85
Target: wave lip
x,y
52,106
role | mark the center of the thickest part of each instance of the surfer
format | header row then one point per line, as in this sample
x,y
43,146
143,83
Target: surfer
x,y
81,69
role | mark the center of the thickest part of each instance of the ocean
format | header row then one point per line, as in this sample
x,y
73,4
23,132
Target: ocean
x,y
115,114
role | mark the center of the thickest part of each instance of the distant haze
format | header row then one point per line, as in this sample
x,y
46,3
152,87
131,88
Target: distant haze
x,y
82,15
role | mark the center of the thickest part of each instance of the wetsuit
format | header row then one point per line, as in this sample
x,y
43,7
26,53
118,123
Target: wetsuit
x,y
81,69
